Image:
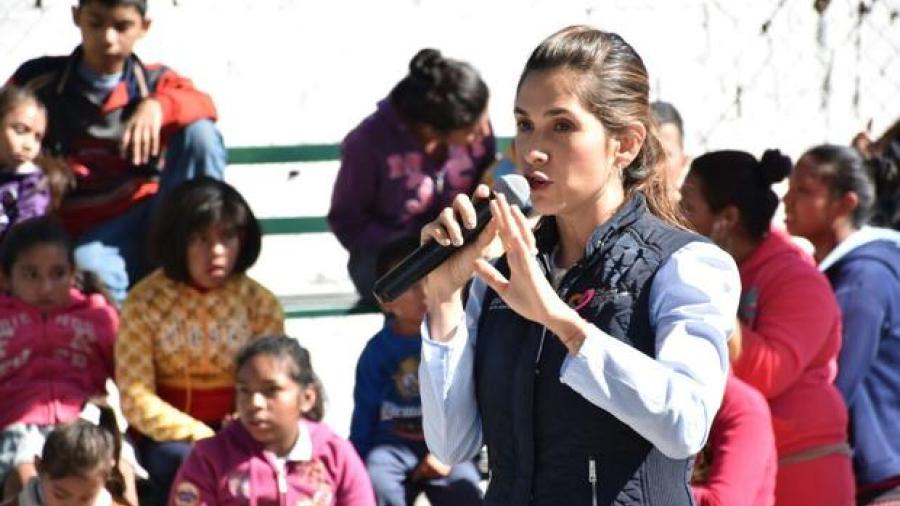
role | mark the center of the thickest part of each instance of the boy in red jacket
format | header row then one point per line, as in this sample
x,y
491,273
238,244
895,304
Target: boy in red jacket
x,y
129,131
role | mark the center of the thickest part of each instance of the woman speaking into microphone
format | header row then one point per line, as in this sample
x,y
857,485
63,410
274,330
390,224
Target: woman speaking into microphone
x,y
591,358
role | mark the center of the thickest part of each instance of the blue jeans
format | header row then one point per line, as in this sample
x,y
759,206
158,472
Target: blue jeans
x,y
389,467
162,460
116,249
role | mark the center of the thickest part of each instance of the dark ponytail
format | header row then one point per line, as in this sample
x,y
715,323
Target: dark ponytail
x,y
439,92
736,178
116,483
615,87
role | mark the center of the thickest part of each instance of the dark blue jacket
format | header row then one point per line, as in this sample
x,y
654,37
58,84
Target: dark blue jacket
x,y
866,281
547,444
387,408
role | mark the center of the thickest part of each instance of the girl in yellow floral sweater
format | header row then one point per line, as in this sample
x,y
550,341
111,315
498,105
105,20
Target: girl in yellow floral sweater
x,y
182,326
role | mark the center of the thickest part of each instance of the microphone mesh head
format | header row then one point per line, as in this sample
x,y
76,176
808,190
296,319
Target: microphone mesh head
x,y
515,188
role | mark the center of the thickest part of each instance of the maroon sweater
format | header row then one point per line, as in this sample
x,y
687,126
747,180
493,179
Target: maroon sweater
x,y
742,451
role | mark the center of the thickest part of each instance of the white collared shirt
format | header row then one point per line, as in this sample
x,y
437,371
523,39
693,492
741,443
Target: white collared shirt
x,y
300,452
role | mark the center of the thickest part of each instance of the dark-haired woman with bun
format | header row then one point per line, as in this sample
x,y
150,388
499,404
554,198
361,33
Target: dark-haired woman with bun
x,y
833,194
428,141
790,323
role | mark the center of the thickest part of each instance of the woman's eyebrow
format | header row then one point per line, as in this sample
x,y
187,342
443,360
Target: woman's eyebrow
x,y
555,111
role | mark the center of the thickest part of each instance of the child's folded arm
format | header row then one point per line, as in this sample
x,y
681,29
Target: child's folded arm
x,y
181,103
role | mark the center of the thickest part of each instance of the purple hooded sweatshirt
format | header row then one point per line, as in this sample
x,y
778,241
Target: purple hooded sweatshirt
x,y
23,195
387,186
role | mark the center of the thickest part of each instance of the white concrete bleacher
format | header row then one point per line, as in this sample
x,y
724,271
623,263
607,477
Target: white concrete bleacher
x,y
305,269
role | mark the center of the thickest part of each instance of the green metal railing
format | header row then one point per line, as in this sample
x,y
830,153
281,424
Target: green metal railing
x,y
307,306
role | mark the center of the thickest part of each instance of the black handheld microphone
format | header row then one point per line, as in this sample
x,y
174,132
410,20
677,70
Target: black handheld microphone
x,y
430,255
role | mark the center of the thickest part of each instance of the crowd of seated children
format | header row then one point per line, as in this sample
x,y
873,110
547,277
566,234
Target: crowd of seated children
x,y
125,158
129,132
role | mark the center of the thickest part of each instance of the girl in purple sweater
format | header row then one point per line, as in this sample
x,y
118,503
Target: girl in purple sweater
x,y
275,453
429,140
24,190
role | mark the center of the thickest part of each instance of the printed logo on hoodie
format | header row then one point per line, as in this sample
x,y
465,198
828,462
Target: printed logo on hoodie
x,y
187,494
239,484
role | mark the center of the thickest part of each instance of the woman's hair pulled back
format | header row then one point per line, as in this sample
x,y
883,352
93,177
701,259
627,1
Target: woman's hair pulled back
x,y
843,170
885,170
614,85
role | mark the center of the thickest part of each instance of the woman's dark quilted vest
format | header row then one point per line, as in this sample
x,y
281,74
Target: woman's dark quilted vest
x,y
547,444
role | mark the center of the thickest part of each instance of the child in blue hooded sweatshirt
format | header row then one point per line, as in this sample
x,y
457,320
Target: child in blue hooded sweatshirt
x,y
386,428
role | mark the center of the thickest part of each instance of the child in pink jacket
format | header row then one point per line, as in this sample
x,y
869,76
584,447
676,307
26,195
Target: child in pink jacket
x,y
56,342
738,465
275,453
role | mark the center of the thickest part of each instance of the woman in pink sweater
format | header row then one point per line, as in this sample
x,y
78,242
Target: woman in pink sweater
x,y
276,453
790,323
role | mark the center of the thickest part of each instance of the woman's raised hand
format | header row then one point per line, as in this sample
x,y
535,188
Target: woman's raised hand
x,y
527,290
449,278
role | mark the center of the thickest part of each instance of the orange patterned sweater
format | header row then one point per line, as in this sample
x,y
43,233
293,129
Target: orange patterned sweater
x,y
176,347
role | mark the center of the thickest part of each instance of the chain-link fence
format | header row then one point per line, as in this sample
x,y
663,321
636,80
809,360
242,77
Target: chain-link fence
x,y
827,68
18,18
745,75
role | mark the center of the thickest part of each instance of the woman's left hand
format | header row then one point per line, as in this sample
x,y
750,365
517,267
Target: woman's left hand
x,y
527,290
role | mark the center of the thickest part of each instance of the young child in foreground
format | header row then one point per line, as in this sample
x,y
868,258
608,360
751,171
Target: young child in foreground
x,y
277,452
